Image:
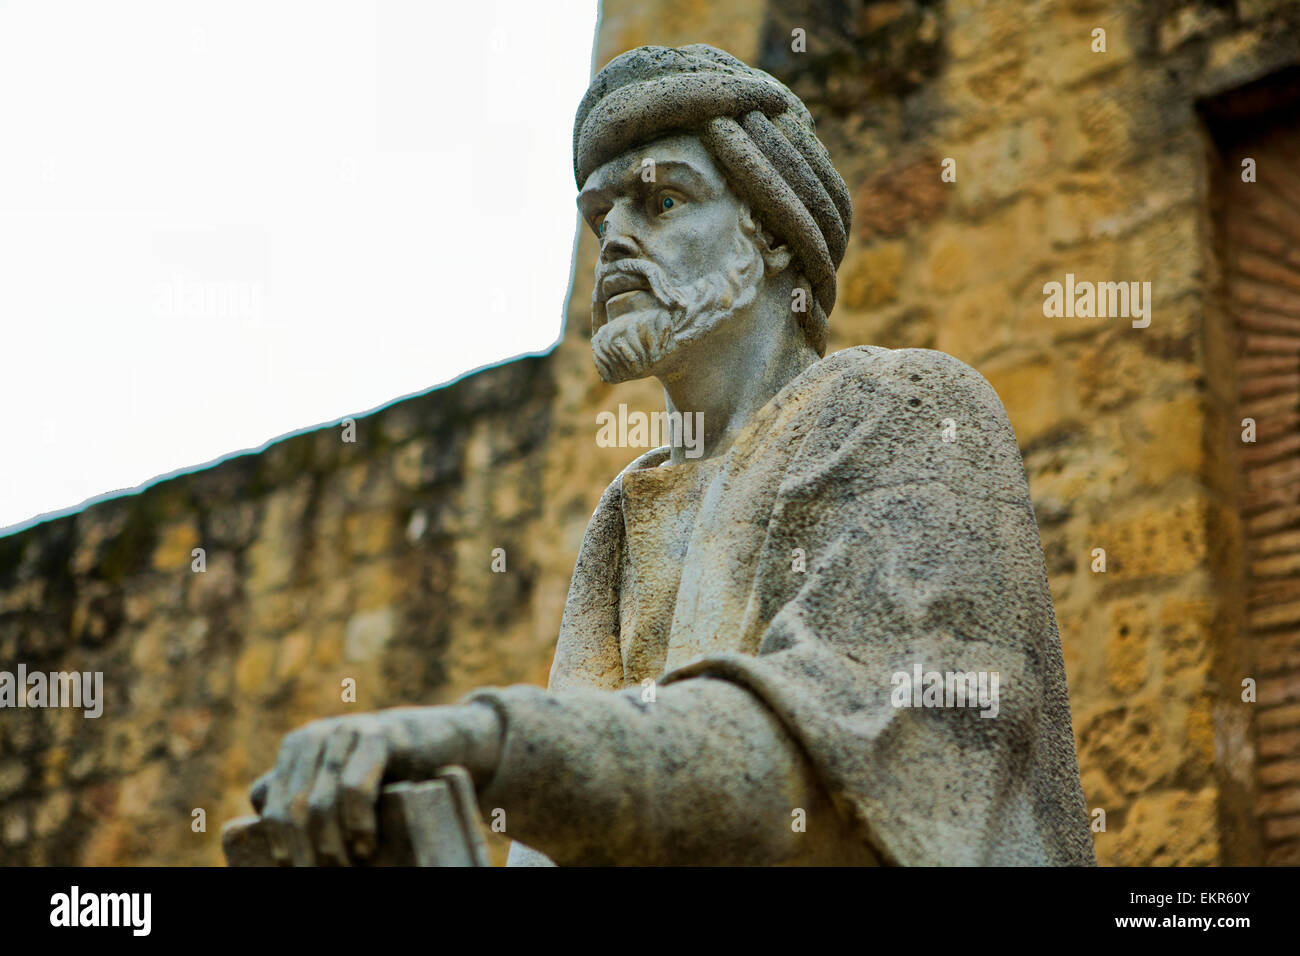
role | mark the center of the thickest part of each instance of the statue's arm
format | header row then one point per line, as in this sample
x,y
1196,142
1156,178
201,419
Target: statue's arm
x,y
585,773
704,774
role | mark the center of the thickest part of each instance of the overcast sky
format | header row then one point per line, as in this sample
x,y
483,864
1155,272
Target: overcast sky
x,y
223,222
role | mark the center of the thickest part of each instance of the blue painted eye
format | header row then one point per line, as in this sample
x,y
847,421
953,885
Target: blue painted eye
x,y
600,230
668,202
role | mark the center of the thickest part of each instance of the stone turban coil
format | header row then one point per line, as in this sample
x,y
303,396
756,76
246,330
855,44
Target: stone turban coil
x,y
760,134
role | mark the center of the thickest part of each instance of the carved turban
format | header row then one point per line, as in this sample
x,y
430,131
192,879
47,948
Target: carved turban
x,y
760,134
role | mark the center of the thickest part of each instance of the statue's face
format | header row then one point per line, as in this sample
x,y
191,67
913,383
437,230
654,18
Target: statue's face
x,y
675,261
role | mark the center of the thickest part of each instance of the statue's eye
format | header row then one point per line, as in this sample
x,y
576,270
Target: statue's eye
x,y
666,203
601,227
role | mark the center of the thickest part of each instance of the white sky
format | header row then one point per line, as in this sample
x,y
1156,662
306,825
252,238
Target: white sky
x,y
224,221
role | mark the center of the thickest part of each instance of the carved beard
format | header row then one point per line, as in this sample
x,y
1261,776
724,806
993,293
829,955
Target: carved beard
x,y
634,344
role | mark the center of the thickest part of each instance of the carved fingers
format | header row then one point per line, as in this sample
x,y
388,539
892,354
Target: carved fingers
x,y
319,802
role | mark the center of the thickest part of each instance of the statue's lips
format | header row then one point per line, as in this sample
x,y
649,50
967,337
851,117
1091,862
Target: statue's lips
x,y
619,292
622,282
622,297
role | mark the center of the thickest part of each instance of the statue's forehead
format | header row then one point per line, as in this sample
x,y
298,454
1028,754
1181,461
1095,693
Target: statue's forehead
x,y
682,149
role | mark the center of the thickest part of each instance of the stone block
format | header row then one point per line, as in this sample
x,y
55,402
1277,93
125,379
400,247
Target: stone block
x,y
1128,646
1167,828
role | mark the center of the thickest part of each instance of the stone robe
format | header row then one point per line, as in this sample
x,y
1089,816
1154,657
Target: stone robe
x,y
871,520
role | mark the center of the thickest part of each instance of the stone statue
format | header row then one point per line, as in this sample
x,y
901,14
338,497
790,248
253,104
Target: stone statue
x,y
828,638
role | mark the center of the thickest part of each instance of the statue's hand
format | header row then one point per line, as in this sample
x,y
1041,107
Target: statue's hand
x,y
319,803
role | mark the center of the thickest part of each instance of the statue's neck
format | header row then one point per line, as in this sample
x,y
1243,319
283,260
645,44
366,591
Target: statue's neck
x,y
732,373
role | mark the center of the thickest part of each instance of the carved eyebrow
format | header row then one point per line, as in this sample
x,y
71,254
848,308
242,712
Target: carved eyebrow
x,y
593,198
687,174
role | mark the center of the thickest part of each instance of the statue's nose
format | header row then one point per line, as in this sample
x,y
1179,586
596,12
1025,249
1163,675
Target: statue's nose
x,y
618,240
617,246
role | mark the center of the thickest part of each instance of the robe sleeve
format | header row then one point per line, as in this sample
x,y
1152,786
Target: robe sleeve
x,y
702,775
909,498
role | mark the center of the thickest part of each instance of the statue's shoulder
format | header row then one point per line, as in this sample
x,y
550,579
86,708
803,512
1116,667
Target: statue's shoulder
x,y
885,409
651,459
906,372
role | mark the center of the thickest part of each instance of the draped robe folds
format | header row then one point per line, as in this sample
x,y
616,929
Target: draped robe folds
x,y
872,518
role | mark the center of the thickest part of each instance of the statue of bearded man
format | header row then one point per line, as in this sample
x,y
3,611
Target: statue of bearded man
x,y
828,638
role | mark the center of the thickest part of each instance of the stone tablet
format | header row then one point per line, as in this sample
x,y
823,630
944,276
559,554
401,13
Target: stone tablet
x,y
434,823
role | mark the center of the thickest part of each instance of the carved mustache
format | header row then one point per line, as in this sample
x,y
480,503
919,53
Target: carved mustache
x,y
629,274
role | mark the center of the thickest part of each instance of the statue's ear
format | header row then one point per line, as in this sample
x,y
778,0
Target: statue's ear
x,y
777,256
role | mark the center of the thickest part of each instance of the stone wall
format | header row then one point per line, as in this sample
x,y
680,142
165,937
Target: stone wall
x,y
371,560
325,560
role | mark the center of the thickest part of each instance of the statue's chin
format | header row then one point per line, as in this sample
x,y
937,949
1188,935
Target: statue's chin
x,y
633,345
